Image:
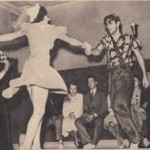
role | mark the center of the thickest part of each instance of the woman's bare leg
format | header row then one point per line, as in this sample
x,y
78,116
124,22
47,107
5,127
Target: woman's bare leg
x,y
36,143
39,97
22,136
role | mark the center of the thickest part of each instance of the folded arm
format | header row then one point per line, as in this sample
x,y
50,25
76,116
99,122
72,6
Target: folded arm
x,y
102,110
98,49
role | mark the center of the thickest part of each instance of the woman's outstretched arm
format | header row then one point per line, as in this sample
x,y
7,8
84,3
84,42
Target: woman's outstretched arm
x,y
71,41
11,36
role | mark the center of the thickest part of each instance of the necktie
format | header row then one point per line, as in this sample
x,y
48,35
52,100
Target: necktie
x,y
92,93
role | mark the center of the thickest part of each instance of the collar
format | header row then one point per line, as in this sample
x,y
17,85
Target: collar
x,y
93,91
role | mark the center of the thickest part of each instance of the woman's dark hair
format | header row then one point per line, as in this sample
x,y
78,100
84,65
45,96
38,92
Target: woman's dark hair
x,y
113,17
73,83
42,13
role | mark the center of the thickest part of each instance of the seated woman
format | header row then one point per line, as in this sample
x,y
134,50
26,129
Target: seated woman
x,y
72,109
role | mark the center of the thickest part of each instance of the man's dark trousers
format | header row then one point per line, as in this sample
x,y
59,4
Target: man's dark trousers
x,y
121,88
97,124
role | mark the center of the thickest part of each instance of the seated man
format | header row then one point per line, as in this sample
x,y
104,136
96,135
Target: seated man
x,y
72,109
111,123
95,110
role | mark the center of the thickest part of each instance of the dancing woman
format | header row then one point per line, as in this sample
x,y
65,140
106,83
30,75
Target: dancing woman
x,y
37,74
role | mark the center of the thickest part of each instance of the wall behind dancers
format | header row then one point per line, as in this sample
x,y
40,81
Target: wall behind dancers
x,y
85,21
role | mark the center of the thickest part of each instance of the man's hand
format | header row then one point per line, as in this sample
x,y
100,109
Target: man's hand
x,y
72,116
145,82
89,118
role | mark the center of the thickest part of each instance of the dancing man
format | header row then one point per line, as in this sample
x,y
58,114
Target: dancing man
x,y
118,48
37,74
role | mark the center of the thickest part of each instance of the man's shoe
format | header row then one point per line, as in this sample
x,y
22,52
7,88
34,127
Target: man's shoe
x,y
125,144
89,146
61,145
77,140
134,145
146,142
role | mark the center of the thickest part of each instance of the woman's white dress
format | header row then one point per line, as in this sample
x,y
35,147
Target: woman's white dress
x,y
37,69
75,105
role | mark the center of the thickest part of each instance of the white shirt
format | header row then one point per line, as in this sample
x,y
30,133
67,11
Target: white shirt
x,y
75,104
93,91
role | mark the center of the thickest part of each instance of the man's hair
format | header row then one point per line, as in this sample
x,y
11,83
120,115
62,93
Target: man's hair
x,y
92,76
40,16
113,17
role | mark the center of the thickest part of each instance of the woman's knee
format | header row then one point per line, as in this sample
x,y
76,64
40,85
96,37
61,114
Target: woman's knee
x,y
77,122
38,115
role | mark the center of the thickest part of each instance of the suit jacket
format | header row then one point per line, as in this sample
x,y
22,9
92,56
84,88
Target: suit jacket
x,y
95,104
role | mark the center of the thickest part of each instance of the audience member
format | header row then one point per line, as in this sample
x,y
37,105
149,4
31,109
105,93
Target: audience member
x,y
72,109
95,109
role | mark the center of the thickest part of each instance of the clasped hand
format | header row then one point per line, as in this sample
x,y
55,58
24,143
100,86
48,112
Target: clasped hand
x,y
72,116
87,47
88,117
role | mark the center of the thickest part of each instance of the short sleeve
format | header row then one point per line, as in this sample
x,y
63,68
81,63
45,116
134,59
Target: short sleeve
x,y
24,26
3,57
61,30
103,41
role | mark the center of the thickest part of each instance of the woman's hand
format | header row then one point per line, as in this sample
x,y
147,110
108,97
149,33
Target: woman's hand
x,y
72,116
88,48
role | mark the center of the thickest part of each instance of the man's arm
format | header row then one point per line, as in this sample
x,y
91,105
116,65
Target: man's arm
x,y
142,66
97,50
102,110
85,104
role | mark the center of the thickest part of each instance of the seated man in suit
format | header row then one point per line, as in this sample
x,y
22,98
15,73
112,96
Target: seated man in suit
x,y
94,112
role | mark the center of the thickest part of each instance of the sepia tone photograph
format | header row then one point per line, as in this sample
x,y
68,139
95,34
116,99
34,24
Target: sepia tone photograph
x,y
74,74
